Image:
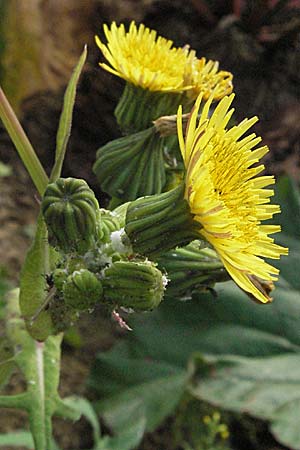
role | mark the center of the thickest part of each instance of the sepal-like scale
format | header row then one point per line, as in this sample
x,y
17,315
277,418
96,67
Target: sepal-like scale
x,y
71,212
133,284
158,223
194,268
109,224
139,107
132,166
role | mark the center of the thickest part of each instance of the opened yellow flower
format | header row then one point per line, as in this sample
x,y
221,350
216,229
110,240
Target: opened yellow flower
x,y
143,59
204,77
227,197
151,62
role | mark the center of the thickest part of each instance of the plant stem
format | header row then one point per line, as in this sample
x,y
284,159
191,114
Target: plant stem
x,y
18,401
22,144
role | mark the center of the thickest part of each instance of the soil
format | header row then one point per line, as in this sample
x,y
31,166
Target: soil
x,y
260,47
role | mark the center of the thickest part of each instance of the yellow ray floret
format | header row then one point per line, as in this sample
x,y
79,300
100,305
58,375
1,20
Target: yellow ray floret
x,y
204,77
149,61
143,58
227,197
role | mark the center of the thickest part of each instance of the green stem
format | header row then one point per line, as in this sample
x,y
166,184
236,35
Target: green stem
x,y
22,144
19,401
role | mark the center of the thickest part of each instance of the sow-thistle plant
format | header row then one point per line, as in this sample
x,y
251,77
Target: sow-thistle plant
x,y
170,236
159,77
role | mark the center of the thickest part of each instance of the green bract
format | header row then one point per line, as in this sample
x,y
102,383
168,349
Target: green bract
x,y
132,166
82,290
109,223
71,212
136,285
190,269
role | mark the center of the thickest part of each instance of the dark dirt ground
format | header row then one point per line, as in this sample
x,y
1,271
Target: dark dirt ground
x,y
260,47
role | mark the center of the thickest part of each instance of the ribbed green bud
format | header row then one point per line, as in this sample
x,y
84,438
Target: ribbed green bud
x,y
121,212
158,223
136,285
82,290
138,107
192,268
71,212
109,223
59,278
132,166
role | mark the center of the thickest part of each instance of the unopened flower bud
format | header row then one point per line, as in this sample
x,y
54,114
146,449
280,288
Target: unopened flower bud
x,y
157,223
59,278
71,212
82,290
109,224
135,285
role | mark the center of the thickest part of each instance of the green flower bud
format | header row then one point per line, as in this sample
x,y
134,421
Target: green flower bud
x,y
157,223
132,166
82,290
109,223
136,285
75,262
191,268
59,278
71,213
62,315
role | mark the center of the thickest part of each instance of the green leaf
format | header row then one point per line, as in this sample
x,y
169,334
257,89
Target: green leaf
x,y
142,392
84,407
65,123
7,362
287,194
267,388
33,286
128,439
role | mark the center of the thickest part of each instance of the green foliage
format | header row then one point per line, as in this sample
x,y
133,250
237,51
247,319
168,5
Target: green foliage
x,y
65,122
41,258
233,353
7,362
39,261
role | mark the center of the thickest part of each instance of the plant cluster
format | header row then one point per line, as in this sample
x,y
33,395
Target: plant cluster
x,y
187,210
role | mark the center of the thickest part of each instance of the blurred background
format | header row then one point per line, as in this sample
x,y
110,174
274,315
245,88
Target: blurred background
x,y
40,42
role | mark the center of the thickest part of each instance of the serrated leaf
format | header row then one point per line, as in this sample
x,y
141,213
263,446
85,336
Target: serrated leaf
x,y
140,392
33,286
84,407
65,122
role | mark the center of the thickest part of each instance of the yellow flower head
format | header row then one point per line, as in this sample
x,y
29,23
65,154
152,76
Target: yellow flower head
x,y
204,77
227,198
143,59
